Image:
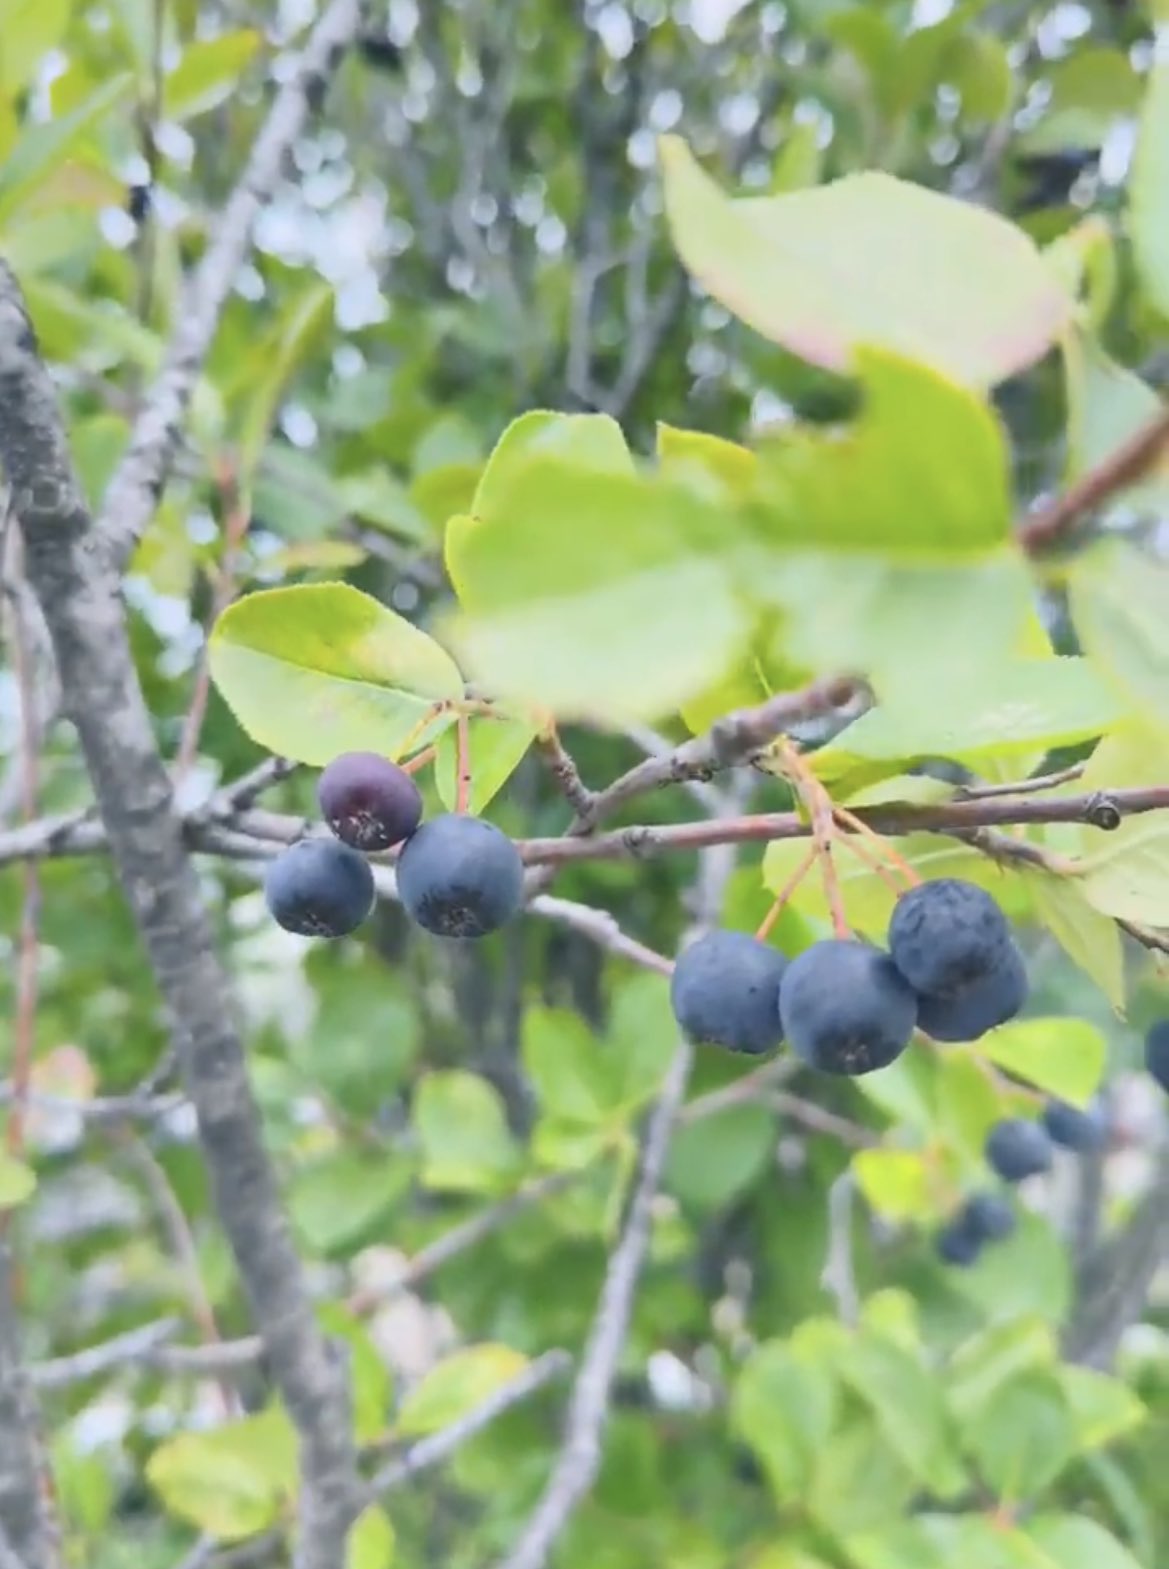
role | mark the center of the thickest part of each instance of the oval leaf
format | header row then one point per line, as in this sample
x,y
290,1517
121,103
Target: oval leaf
x,y
319,669
868,259
458,1384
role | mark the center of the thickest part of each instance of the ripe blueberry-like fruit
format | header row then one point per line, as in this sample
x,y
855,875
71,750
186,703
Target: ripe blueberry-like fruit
x,y
1157,1052
958,1245
846,1008
319,888
368,801
460,877
725,992
1076,1129
983,1005
947,935
1017,1149
989,1216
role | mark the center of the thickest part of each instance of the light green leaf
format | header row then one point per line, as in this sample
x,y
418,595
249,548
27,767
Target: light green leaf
x,y
271,365
1148,191
1135,753
709,462
993,1358
785,1407
997,711
1107,405
208,73
592,441
979,67
1118,610
371,1541
1128,877
497,748
1029,1273
860,1482
640,1039
319,669
906,1403
231,1481
462,1127
922,470
969,1102
1075,1542
293,495
29,29
595,594
339,1198
897,1183
1103,1407
564,1062
17,1182
823,271
907,1089
456,1386
1064,1057
1089,938
43,147
1022,1438
1089,90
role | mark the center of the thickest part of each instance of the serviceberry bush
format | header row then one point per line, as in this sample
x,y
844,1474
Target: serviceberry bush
x,y
587,973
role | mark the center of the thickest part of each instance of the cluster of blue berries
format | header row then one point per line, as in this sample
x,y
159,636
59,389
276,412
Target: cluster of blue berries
x,y
952,969
458,876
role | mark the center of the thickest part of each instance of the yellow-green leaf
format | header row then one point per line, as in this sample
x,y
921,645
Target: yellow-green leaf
x,y
1091,939
29,29
1148,191
230,1481
17,1182
208,73
371,1541
319,669
497,747
1118,598
1064,1057
462,1127
1128,877
895,1182
457,1385
868,259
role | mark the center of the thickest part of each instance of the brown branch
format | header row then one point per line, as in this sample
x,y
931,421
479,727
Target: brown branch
x,y
562,767
1048,525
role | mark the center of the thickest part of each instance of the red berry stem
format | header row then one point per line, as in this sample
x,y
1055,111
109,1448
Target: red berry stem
x,y
463,763
786,892
818,805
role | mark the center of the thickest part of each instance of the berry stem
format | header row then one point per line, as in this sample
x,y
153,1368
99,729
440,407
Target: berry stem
x,y
818,804
419,761
873,862
463,763
785,893
848,819
433,711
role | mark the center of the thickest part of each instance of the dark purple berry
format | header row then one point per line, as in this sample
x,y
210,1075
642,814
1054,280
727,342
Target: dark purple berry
x,y
368,801
725,992
846,1008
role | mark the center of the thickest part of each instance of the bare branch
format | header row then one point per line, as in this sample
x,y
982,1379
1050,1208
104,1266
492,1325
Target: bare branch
x,y
1132,461
141,475
26,1516
562,767
84,614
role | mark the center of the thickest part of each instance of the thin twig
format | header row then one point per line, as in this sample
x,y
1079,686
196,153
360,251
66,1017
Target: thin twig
x,y
987,792
562,767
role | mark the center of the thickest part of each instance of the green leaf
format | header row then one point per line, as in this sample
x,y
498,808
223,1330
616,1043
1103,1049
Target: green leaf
x,y
594,441
1117,606
462,1128
319,669
376,497
371,1541
922,470
1128,877
707,461
1102,1407
17,1182
29,29
594,593
43,147
1148,191
994,1358
714,1160
1089,91
208,73
1075,1542
823,271
293,495
785,1407
1090,939
456,1385
497,747
1022,1438
341,1197
980,68
564,1062
1064,1057
1107,405
859,1482
996,711
640,1039
231,1481
906,1403
1029,1273
897,1183
968,1101
271,365
369,1376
